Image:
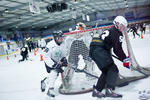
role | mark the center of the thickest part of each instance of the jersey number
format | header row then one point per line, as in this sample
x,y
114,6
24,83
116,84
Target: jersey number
x,y
105,34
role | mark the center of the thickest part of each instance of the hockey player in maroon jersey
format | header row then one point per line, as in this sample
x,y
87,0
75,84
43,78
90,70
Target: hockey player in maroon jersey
x,y
134,30
100,52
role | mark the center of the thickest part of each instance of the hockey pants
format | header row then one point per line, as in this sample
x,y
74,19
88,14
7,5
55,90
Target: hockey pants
x,y
108,78
50,81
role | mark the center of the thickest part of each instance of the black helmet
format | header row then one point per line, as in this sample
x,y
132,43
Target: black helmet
x,y
58,35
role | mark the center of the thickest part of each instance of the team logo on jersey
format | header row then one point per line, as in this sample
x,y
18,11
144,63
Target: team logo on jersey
x,y
57,53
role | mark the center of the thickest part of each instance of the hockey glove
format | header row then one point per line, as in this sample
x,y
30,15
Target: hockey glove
x,y
64,61
58,68
126,62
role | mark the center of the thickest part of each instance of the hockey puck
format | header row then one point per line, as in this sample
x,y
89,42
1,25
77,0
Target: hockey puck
x,y
83,88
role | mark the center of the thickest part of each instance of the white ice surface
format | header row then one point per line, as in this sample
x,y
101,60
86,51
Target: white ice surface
x,y
21,81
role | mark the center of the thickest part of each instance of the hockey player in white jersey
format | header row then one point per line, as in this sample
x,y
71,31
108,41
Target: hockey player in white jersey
x,y
54,56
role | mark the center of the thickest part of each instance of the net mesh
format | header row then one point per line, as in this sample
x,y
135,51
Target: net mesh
x,y
74,81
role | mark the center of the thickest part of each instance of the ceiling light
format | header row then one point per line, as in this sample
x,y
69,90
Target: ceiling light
x,y
88,17
6,10
126,6
83,17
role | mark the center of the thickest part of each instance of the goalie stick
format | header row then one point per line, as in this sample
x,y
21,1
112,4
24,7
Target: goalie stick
x,y
82,70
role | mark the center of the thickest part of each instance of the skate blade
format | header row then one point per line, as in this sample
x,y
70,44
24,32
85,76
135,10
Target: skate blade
x,y
109,98
50,98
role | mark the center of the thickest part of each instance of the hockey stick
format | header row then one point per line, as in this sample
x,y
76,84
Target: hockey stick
x,y
82,70
138,70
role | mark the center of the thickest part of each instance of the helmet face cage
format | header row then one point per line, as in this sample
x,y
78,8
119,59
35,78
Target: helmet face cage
x,y
58,37
120,26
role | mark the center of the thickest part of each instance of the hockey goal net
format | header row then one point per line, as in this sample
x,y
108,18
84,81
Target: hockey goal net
x,y
77,80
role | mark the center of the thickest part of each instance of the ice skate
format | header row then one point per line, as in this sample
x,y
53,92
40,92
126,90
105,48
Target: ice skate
x,y
50,94
96,93
43,86
110,93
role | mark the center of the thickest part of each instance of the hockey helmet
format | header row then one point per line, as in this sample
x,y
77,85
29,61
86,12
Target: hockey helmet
x,y
58,37
120,23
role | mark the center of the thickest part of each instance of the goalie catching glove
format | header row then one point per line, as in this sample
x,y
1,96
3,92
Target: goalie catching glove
x,y
126,62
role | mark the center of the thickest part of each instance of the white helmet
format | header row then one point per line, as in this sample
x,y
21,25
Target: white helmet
x,y
120,20
120,23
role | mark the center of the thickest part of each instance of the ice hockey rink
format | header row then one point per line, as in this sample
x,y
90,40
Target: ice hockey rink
x,y
26,23
21,81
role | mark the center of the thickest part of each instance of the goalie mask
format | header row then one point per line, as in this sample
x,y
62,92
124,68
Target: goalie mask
x,y
80,26
120,23
58,37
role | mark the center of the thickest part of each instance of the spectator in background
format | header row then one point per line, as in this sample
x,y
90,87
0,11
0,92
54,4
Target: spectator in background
x,y
43,44
143,28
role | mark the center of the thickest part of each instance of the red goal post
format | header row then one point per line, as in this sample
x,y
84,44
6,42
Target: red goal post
x,y
88,30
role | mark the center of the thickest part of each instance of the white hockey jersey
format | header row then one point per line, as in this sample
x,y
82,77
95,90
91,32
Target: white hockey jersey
x,y
53,52
43,43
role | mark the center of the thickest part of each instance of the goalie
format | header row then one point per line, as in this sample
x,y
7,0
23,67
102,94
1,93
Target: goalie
x,y
54,58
